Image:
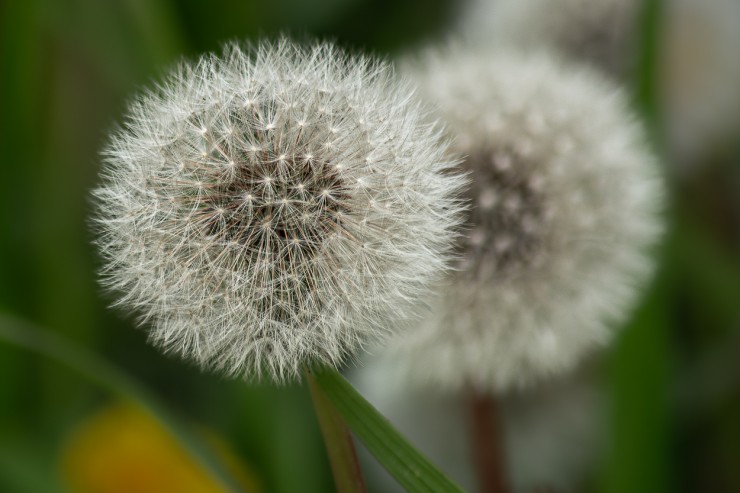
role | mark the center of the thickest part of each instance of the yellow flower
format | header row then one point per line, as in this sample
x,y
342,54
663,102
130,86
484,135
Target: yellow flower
x,y
122,450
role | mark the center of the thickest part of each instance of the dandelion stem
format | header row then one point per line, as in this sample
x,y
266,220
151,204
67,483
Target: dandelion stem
x,y
487,443
338,441
410,468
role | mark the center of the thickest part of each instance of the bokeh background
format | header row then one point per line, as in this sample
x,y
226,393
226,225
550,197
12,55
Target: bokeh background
x,y
671,379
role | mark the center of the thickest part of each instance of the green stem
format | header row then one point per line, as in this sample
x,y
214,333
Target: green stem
x,y
99,371
645,92
338,441
411,469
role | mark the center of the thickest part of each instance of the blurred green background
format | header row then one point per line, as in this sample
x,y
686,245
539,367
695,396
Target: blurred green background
x,y
68,68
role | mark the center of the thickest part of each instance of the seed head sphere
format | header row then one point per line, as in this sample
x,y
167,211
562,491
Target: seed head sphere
x,y
565,207
602,33
275,207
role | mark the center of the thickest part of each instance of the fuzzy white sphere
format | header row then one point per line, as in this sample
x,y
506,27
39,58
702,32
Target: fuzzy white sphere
x,y
275,208
697,67
603,33
565,204
699,78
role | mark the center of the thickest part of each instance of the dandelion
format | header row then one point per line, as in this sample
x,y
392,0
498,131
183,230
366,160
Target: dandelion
x,y
698,77
697,67
275,208
564,209
121,449
602,33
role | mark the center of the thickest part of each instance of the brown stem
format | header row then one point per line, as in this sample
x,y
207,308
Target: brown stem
x,y
487,444
338,442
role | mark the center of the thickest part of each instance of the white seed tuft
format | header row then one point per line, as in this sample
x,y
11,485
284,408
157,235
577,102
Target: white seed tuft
x,y
697,68
557,237
226,223
600,32
698,79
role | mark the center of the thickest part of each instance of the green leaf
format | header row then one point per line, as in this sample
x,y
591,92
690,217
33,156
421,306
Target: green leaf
x,y
338,441
645,90
410,468
99,371
641,415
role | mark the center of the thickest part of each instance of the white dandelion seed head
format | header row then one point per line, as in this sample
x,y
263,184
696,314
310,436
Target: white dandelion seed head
x,y
697,67
565,204
600,32
275,208
698,77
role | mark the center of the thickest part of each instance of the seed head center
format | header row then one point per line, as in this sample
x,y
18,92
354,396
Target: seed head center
x,y
507,221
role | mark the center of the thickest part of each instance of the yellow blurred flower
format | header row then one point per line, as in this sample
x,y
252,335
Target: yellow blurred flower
x,y
124,450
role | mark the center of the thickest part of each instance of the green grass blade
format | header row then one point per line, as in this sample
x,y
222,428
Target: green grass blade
x,y
99,371
410,468
338,441
645,85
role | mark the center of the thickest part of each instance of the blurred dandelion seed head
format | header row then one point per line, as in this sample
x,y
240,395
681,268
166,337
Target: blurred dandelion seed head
x,y
697,68
275,207
565,204
508,217
699,76
600,32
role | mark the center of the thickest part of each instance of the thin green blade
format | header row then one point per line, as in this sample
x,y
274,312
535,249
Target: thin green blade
x,y
99,371
410,468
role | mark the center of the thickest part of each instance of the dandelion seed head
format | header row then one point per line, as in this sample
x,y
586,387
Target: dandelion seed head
x,y
267,257
600,32
698,75
696,65
558,236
